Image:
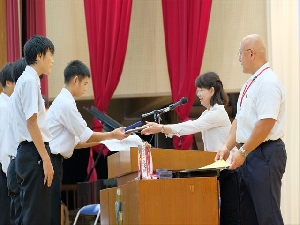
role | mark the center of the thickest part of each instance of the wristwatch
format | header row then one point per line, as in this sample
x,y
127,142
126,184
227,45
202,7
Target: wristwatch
x,y
243,152
162,129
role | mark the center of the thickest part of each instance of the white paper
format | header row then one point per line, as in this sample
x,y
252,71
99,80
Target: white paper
x,y
123,145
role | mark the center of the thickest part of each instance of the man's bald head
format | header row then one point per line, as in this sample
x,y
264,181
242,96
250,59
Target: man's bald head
x,y
255,42
255,46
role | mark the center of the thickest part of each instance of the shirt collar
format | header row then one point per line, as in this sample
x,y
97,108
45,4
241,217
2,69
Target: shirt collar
x,y
4,96
32,72
67,93
260,69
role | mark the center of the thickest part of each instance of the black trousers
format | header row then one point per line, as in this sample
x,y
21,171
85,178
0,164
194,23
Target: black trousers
x,y
4,199
230,213
14,194
260,186
56,188
35,195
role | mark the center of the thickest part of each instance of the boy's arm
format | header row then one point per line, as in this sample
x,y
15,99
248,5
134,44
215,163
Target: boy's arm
x,y
37,139
117,133
86,145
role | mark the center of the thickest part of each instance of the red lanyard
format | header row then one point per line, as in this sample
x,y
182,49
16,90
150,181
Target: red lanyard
x,y
248,86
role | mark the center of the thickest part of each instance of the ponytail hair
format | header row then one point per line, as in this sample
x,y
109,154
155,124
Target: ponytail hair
x,y
209,80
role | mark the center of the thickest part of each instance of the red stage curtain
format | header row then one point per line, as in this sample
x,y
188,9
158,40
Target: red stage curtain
x,y
107,24
36,25
186,25
12,31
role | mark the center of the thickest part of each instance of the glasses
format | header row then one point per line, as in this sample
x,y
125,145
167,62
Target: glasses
x,y
240,52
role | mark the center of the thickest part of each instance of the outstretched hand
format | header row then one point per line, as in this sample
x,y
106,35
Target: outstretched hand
x,y
119,133
151,128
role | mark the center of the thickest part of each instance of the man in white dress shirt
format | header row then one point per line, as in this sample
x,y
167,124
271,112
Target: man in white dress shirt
x,y
258,127
8,85
33,164
69,129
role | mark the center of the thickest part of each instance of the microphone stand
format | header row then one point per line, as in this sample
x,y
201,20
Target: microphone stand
x,y
95,163
157,119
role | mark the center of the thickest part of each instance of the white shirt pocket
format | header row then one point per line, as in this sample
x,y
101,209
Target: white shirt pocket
x,y
246,108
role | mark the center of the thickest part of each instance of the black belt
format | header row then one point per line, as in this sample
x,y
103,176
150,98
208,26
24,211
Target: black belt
x,y
265,142
30,142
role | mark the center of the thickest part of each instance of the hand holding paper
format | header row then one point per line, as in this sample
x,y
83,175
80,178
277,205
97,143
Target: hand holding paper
x,y
220,164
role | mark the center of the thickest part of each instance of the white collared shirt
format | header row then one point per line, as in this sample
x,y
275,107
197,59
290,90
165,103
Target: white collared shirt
x,y
214,124
265,98
66,125
26,101
12,143
4,127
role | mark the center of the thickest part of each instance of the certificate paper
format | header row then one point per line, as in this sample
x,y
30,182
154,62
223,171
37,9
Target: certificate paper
x,y
123,145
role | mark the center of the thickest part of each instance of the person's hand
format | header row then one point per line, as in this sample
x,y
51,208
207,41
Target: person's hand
x,y
119,133
237,160
151,128
48,171
223,153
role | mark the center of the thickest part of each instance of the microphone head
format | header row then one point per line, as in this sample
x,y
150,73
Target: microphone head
x,y
184,100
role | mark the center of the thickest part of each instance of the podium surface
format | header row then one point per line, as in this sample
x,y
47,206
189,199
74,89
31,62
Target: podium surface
x,y
166,201
126,162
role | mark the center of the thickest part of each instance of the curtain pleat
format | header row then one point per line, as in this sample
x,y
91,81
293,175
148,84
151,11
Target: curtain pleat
x,y
186,26
36,25
12,31
107,24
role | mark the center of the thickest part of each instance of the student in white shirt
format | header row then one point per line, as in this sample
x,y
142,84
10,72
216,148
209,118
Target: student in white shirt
x,y
33,165
8,85
69,129
11,152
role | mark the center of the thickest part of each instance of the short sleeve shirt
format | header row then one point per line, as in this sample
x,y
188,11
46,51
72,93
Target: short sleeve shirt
x,y
4,127
66,125
26,101
264,99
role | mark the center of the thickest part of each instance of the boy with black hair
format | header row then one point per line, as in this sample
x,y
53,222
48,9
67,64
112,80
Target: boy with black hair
x,y
69,129
33,165
12,184
8,85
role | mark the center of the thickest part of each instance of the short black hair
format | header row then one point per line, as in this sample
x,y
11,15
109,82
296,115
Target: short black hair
x,y
6,74
37,45
18,68
209,80
76,68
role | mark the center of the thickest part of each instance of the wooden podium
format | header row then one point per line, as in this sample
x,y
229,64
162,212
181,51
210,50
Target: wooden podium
x,y
165,201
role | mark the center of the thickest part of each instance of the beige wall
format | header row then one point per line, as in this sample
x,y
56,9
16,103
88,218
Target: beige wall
x,y
230,21
145,71
65,23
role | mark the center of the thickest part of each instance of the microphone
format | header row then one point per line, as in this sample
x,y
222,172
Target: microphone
x,y
182,101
